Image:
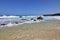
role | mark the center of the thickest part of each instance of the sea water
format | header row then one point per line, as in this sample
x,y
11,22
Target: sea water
x,y
11,19
51,17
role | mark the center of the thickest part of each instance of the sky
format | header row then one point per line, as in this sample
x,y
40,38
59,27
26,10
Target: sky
x,y
29,7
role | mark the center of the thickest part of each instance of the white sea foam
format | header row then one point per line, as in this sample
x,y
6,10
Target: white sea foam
x,y
10,25
51,17
4,16
28,17
57,17
31,21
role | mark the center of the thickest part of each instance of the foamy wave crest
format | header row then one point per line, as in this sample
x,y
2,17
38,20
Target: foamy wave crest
x,y
4,16
57,17
51,17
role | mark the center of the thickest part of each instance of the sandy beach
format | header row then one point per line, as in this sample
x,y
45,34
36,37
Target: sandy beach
x,y
48,30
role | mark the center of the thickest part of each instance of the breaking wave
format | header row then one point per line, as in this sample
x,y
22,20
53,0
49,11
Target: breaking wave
x,y
26,19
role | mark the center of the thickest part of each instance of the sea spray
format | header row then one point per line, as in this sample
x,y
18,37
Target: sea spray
x,y
27,19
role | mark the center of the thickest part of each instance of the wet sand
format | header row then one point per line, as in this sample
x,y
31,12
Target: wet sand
x,y
48,30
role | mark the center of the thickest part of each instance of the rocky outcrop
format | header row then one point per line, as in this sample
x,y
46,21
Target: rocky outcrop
x,y
39,18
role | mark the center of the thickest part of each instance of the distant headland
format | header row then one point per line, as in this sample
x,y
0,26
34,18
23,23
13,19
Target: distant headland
x,y
55,14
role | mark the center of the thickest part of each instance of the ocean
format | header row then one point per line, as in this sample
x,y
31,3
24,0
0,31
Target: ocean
x,y
14,20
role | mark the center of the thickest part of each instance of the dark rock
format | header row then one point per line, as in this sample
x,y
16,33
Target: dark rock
x,y
34,20
39,18
3,24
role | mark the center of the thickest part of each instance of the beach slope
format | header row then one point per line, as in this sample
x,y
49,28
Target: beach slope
x,y
48,30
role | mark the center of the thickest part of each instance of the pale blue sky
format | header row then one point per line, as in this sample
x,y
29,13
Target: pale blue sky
x,y
29,7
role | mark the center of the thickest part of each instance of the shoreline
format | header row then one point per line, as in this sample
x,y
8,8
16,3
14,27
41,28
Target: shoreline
x,y
31,22
46,30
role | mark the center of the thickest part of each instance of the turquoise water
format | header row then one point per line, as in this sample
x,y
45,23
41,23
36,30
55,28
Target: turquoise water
x,y
29,17
51,17
11,20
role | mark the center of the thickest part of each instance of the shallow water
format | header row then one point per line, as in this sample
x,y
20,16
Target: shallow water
x,y
13,20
